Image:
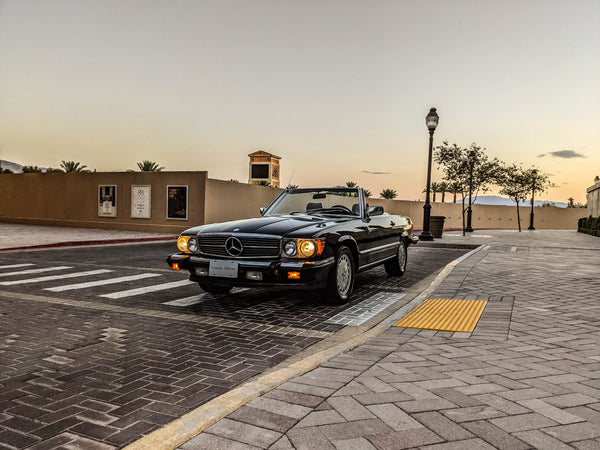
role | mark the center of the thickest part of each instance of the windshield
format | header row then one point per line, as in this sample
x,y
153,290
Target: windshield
x,y
334,201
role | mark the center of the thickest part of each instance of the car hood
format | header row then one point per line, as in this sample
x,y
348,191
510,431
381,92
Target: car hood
x,y
277,225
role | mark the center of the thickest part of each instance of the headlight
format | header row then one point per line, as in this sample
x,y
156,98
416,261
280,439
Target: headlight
x,y
193,245
182,243
304,248
290,248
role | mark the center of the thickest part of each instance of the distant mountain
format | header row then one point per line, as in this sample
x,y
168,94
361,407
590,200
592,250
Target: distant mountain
x,y
16,167
13,167
502,201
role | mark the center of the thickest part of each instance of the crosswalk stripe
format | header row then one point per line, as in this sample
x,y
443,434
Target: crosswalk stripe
x,y
32,271
55,277
14,266
146,289
194,299
71,287
186,301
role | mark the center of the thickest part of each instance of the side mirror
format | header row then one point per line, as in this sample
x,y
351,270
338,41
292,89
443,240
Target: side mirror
x,y
262,210
375,211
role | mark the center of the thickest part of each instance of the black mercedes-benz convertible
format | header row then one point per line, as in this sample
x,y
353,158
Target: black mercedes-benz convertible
x,y
306,239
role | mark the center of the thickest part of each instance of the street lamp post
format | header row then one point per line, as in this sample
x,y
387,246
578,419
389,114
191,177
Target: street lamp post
x,y
431,121
533,173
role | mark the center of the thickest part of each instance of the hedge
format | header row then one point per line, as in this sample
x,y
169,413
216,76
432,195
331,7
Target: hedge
x,y
589,225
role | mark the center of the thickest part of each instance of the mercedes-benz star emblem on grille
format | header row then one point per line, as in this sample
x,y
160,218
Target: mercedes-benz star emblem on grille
x,y
234,246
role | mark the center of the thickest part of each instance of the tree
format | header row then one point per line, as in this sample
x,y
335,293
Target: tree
x,y
351,184
149,166
434,187
453,188
470,168
367,192
72,166
571,203
443,188
31,169
289,187
514,184
389,194
263,183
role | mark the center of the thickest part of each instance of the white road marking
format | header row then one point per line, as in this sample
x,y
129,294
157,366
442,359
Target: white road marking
x,y
513,249
70,287
32,271
14,266
55,277
146,289
194,299
186,301
363,311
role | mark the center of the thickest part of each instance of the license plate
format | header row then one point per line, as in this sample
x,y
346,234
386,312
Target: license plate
x,y
223,268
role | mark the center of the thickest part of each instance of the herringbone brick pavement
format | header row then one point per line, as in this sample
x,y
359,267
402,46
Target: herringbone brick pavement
x,y
528,376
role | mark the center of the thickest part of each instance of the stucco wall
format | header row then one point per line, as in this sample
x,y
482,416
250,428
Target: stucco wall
x,y
593,200
71,199
229,201
487,216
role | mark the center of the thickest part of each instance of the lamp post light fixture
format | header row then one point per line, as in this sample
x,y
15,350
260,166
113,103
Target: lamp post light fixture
x,y
534,174
432,122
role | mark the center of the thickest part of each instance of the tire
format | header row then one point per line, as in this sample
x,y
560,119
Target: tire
x,y
340,281
213,289
397,266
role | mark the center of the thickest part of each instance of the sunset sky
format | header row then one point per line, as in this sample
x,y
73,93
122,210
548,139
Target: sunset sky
x,y
338,89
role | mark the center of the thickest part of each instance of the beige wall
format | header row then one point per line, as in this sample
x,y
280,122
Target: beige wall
x,y
487,216
71,199
593,200
229,201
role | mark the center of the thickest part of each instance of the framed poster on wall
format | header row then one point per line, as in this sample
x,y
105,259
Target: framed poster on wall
x,y
107,201
177,202
141,198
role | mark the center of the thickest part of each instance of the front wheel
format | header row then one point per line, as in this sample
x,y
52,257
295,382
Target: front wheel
x,y
397,266
340,281
213,289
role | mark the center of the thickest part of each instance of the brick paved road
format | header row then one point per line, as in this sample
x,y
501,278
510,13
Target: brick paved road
x,y
85,367
527,377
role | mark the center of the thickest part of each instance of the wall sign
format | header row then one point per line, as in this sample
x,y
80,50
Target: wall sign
x,y
140,201
107,201
177,202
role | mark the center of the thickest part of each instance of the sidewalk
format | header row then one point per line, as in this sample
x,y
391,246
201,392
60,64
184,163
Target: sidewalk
x,y
13,236
528,376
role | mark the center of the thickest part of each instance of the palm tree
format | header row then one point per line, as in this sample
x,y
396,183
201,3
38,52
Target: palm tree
x,y
289,187
72,166
149,166
433,187
453,188
367,192
263,183
389,194
351,184
443,186
31,169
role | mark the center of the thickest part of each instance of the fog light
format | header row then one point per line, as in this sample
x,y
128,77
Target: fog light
x,y
253,275
202,271
175,266
293,275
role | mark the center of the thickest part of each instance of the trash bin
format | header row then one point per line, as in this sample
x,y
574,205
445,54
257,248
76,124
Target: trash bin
x,y
436,226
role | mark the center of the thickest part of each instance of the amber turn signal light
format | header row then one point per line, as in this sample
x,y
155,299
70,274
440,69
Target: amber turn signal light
x,y
176,266
293,275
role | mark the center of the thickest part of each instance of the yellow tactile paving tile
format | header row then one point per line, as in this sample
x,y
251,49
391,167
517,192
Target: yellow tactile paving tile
x,y
444,315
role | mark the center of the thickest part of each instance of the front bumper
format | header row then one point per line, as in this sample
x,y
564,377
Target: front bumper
x,y
273,274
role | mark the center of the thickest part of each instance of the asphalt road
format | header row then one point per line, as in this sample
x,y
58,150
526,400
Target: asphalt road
x,y
109,343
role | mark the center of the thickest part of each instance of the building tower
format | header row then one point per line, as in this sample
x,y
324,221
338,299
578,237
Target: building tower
x,y
264,167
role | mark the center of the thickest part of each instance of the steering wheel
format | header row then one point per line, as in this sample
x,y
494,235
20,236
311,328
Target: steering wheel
x,y
343,208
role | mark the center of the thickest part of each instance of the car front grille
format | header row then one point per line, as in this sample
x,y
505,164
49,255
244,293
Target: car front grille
x,y
251,246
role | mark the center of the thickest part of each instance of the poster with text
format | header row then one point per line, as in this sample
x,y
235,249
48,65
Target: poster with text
x,y
107,201
177,202
140,201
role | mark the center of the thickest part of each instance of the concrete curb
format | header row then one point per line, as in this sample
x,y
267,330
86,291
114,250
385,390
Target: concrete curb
x,y
89,243
195,422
